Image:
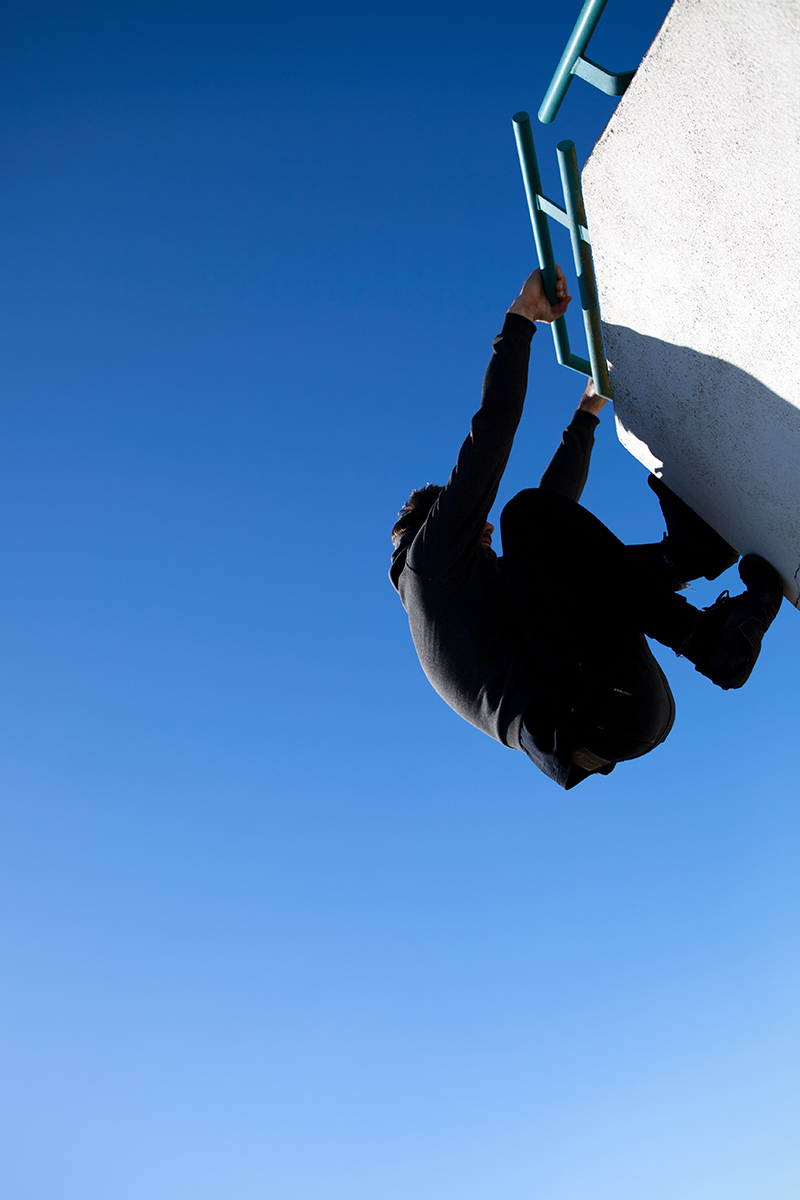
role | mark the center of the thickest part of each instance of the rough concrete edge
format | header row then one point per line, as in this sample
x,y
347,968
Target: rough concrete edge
x,y
633,86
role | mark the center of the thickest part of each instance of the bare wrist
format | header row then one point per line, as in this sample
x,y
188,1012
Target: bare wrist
x,y
593,405
525,310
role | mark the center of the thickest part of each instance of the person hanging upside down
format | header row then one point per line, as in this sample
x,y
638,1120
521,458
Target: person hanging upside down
x,y
545,649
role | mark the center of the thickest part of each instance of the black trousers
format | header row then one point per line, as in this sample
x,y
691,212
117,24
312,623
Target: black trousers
x,y
585,602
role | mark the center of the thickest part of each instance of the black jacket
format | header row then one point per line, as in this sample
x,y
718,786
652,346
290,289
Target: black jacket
x,y
468,638
466,632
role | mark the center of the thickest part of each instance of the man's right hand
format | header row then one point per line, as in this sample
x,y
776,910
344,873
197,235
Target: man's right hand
x,y
533,303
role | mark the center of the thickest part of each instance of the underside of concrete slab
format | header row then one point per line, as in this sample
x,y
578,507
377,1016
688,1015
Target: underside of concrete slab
x,y
693,205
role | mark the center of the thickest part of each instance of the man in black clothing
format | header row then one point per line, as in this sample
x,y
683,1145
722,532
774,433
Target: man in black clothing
x,y
544,649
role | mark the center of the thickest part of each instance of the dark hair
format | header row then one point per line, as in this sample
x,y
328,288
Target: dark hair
x,y
416,508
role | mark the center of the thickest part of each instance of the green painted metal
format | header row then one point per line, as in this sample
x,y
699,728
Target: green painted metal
x,y
613,83
573,63
582,254
541,235
557,213
574,217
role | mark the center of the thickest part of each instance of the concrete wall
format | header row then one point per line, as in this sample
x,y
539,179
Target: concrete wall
x,y
693,205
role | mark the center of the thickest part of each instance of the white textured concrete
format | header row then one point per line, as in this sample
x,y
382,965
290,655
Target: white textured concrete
x,y
693,205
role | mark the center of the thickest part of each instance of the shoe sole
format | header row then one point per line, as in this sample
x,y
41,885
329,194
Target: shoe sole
x,y
758,575
761,579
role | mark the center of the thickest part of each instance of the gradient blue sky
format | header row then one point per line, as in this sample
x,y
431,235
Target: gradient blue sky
x,y
275,924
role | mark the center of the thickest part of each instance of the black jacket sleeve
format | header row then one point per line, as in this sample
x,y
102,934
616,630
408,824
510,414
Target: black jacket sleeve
x,y
452,530
569,466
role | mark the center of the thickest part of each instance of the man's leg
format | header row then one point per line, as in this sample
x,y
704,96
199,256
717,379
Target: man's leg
x,y
559,557
727,639
691,547
595,589
573,586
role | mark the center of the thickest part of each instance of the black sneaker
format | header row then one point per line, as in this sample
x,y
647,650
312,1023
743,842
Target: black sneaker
x,y
691,548
727,641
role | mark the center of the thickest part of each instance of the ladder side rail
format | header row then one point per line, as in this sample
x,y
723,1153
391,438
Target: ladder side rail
x,y
573,63
541,236
584,266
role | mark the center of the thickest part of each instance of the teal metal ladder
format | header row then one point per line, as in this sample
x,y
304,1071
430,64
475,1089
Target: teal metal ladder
x,y
574,217
573,62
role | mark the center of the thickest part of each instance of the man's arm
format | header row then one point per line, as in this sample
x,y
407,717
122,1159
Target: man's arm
x,y
569,466
454,525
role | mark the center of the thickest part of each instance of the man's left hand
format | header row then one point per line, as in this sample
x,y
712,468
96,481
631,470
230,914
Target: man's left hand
x,y
590,401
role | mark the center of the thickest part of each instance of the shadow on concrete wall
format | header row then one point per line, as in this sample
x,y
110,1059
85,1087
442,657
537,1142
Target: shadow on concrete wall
x,y
728,445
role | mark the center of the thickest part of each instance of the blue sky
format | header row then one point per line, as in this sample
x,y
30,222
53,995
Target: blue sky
x,y
275,924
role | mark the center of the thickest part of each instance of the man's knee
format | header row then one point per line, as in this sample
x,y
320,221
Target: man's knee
x,y
535,501
568,544
534,510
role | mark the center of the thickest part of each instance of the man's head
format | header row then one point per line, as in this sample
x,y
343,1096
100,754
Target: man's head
x,y
416,508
